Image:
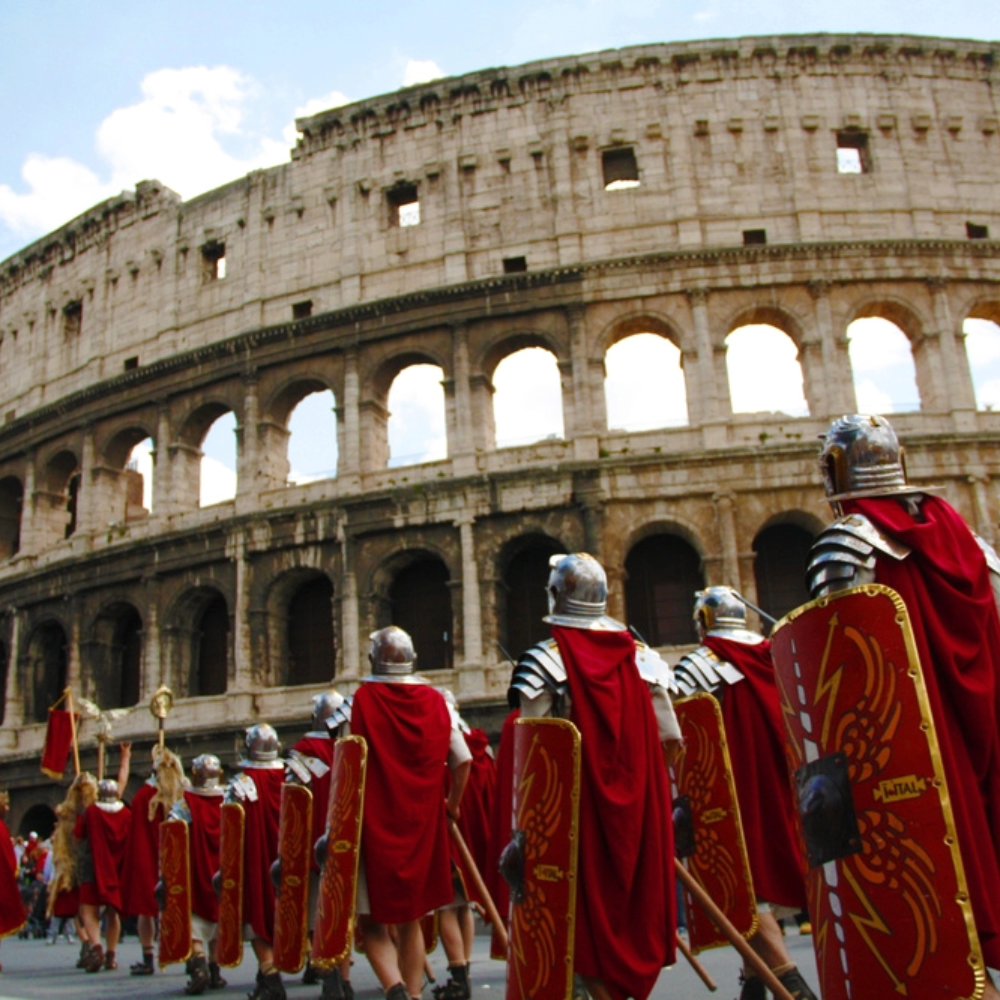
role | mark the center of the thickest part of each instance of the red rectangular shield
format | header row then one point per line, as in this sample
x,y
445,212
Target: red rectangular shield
x,y
706,798
546,824
291,904
229,939
175,873
887,891
333,935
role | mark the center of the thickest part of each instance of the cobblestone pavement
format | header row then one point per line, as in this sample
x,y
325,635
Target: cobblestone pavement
x,y
33,969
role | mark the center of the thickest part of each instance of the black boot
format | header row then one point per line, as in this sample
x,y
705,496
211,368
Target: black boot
x,y
309,975
457,987
333,986
796,985
268,987
200,977
398,992
215,980
752,988
143,968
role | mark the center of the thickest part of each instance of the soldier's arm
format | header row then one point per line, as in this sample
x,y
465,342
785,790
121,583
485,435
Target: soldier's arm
x,y
124,766
460,765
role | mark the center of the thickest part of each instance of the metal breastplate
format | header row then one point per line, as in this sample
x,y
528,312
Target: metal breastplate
x,y
340,718
703,670
844,555
539,669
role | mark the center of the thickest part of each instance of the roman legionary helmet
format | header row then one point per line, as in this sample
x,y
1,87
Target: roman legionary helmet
x,y
107,790
391,651
862,457
206,771
720,611
262,746
578,591
324,705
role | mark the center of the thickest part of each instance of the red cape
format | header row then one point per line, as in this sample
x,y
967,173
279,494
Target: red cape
x,y
626,917
260,849
751,713
12,912
476,815
203,838
107,834
945,585
404,838
141,868
320,747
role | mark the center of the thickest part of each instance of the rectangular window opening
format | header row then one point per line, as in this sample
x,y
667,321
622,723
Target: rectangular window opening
x,y
73,318
977,232
131,364
853,155
404,205
621,171
302,310
754,237
213,261
515,265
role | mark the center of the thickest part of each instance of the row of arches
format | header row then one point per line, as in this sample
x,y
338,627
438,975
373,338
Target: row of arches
x,y
661,573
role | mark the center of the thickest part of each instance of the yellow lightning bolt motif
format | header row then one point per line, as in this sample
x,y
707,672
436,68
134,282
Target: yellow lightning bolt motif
x,y
872,922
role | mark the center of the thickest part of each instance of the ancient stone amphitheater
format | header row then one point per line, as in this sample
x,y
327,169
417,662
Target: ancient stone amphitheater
x,y
677,190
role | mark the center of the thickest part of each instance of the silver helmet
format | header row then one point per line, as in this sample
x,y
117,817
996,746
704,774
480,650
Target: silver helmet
x,y
862,457
721,611
107,790
324,705
206,771
263,746
391,651
578,592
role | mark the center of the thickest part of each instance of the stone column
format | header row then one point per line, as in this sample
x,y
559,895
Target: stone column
x,y
725,518
458,405
163,499
152,671
585,413
242,674
30,541
73,674
706,382
960,392
91,499
983,525
470,678
247,443
350,617
14,695
827,396
349,425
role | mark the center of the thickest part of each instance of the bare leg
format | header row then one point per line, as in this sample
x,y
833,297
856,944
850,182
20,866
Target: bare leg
x,y
91,921
596,989
265,955
451,933
382,955
769,942
412,955
467,921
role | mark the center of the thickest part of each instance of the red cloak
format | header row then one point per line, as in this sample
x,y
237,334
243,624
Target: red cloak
x,y
203,840
751,713
107,835
320,747
404,838
260,849
141,868
945,584
476,815
12,913
626,918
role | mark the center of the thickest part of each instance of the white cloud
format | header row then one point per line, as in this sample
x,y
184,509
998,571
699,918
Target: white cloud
x,y
872,398
416,416
421,71
877,344
644,387
982,341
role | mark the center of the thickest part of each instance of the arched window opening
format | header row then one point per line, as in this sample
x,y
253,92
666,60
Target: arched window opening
x,y
982,346
115,658
40,819
46,656
11,506
765,376
662,574
524,597
885,379
417,432
311,650
218,461
527,398
420,603
644,384
781,554
312,439
210,655
139,481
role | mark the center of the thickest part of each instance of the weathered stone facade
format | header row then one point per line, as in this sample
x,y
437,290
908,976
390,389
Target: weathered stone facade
x,y
149,316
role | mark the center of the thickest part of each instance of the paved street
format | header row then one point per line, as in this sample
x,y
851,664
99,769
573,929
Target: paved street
x,y
33,969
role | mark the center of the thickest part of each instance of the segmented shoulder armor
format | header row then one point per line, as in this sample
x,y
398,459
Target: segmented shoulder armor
x,y
703,670
540,668
844,555
653,669
341,716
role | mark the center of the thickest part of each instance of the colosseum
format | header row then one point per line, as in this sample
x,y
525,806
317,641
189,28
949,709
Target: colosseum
x,y
682,192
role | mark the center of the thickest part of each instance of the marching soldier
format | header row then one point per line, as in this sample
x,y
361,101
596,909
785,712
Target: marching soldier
x,y
258,790
734,664
12,913
893,533
200,809
592,673
405,857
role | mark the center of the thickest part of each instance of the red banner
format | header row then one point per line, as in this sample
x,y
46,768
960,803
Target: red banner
x,y
58,742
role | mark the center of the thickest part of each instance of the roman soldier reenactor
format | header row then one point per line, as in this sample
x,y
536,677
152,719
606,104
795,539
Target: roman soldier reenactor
x,y
734,664
12,913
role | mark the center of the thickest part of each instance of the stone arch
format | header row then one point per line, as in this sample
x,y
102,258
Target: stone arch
x,y
412,589
198,635
44,668
981,335
38,818
56,499
781,552
301,627
112,656
526,385
119,488
522,602
278,439
187,454
11,510
663,569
